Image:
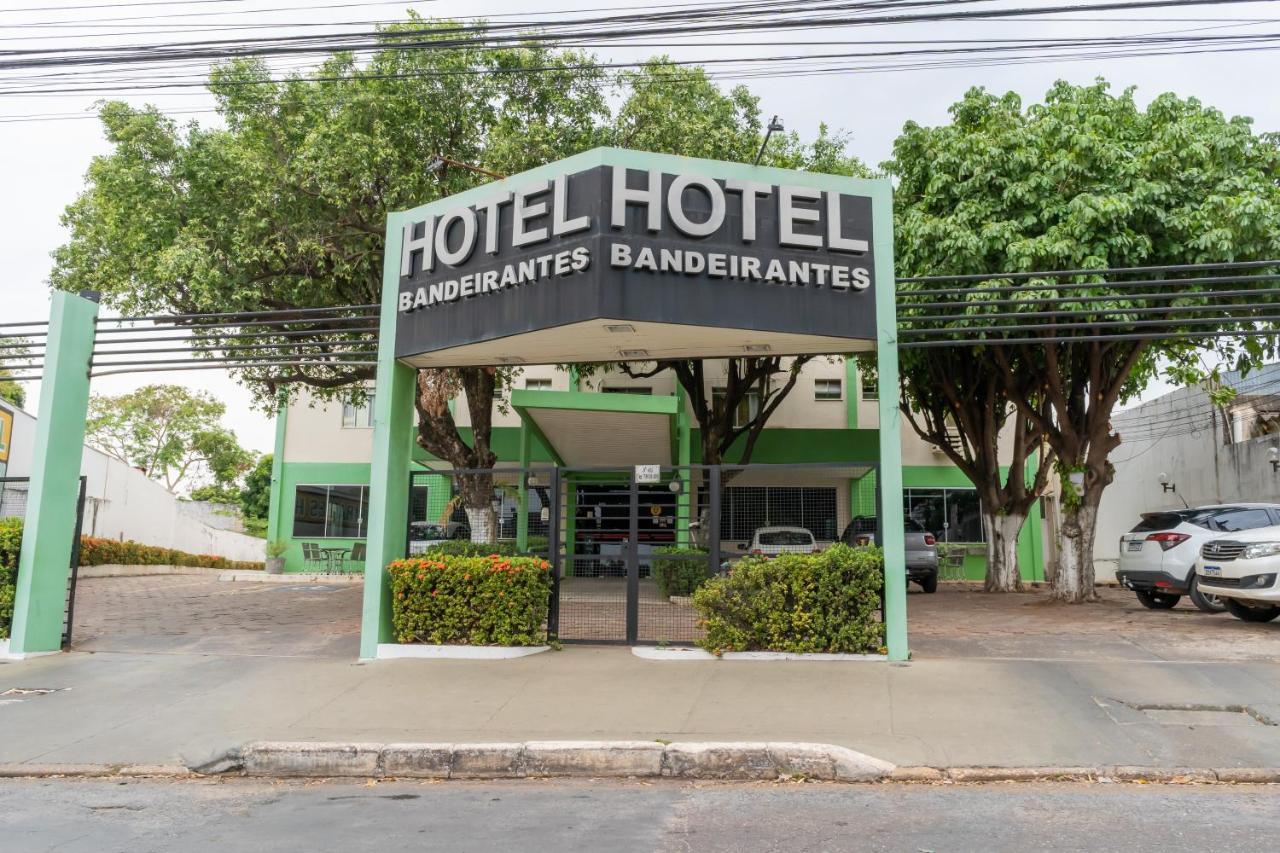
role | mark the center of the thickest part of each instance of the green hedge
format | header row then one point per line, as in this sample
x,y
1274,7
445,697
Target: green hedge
x,y
103,552
480,601
466,548
10,545
680,576
800,603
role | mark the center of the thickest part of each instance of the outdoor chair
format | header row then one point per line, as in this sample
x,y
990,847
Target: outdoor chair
x,y
953,564
314,558
357,555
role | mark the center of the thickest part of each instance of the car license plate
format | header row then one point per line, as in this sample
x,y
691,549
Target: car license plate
x,y
1136,545
1213,571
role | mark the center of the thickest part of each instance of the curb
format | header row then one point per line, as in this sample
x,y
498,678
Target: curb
x,y
726,761
640,759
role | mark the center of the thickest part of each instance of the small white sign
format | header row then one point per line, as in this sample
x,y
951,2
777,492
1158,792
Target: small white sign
x,y
648,473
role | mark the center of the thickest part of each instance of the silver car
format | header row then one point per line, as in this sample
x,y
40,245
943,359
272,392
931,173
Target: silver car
x,y
921,547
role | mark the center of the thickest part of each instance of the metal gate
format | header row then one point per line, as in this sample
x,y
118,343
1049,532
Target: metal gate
x,y
13,504
634,548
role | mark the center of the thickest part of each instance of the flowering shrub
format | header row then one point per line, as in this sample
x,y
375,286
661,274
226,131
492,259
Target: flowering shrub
x,y
102,552
682,572
799,603
494,600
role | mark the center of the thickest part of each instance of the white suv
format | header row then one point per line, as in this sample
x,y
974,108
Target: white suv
x,y
1157,557
1241,569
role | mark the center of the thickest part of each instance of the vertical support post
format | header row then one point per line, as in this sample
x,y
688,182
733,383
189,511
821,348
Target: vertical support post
x,y
889,476
633,565
522,511
570,523
713,519
575,378
389,469
553,556
684,437
44,565
275,511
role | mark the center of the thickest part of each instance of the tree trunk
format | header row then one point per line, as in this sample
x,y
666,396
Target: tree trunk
x,y
1074,582
476,491
1002,531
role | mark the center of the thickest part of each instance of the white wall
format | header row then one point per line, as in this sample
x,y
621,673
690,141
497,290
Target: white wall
x,y
121,503
1175,435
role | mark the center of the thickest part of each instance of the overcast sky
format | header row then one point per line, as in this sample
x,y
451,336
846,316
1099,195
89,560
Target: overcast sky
x,y
44,160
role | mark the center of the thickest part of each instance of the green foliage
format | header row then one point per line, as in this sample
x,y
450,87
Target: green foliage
x,y
681,576
216,494
112,552
255,497
10,546
802,603
479,601
276,548
255,527
11,391
467,548
169,433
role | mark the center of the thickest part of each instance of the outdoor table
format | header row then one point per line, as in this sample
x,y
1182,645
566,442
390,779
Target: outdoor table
x,y
332,553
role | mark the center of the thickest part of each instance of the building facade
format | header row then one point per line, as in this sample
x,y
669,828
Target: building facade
x,y
812,467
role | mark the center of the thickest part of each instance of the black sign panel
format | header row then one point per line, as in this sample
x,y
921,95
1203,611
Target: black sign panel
x,y
638,245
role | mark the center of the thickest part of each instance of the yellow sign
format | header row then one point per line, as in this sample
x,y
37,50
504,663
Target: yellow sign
x,y
6,433
655,510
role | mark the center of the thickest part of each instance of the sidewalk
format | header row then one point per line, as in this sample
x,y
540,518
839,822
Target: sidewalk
x,y
159,708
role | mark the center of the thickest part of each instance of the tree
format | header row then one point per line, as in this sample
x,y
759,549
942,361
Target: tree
x,y
1086,180
678,110
255,497
170,434
11,391
286,207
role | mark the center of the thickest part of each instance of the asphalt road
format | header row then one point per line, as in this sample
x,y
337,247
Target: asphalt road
x,y
246,815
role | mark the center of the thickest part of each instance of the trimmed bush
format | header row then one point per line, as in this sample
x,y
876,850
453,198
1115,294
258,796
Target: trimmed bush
x,y
493,600
801,603
466,548
10,545
103,552
680,576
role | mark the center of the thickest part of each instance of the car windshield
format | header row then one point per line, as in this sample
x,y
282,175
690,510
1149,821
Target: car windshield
x,y
785,537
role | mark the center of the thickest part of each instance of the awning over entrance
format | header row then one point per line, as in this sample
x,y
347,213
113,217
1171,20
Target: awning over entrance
x,y
583,429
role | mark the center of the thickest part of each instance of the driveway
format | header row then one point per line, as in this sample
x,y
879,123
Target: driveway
x,y
183,614
961,621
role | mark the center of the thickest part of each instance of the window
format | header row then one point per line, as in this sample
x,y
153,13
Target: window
x,y
748,406
870,387
538,384
643,390
827,389
743,509
1241,519
336,512
358,415
951,515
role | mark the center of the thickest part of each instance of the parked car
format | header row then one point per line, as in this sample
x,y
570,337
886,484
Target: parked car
x,y
1241,569
921,546
424,535
1157,557
771,541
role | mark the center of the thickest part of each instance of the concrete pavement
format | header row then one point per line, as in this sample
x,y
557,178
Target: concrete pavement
x,y
247,815
184,708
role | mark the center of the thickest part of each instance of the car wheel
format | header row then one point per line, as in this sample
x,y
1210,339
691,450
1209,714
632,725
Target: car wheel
x,y
1157,600
1252,612
1205,601
930,584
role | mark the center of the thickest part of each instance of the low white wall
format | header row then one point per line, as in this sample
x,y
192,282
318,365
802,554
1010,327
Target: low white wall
x,y
121,503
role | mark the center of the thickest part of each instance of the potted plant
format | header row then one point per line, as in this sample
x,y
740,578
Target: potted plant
x,y
275,556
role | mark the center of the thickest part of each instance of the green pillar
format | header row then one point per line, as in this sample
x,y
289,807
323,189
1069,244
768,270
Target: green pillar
x,y
684,438
44,565
889,478
275,512
389,468
570,522
575,378
522,518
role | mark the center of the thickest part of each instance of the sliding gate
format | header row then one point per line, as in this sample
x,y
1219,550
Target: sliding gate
x,y
13,504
